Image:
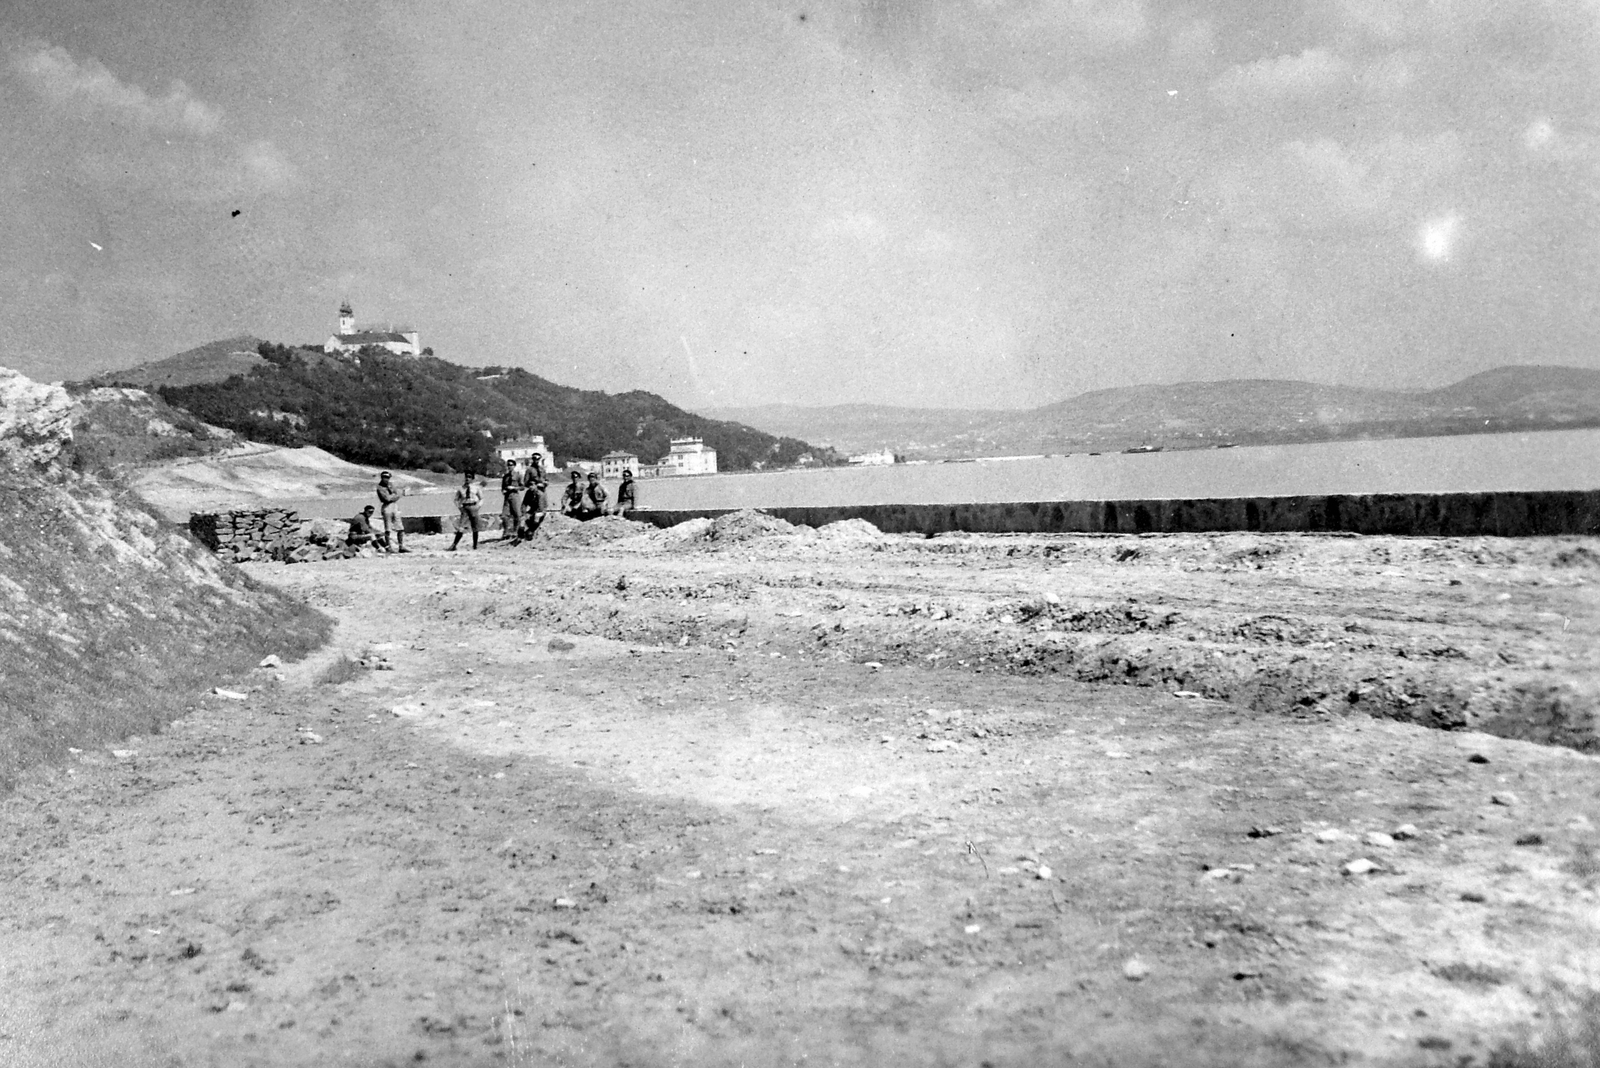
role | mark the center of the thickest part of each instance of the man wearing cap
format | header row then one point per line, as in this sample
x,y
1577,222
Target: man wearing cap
x,y
361,534
625,494
513,484
393,526
593,501
572,496
468,498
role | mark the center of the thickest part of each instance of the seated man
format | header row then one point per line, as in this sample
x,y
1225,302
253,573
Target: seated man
x,y
626,500
361,534
592,501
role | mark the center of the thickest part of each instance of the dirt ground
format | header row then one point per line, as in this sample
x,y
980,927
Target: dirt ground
x,y
761,798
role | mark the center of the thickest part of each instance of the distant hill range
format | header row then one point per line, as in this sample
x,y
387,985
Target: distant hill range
x,y
1190,415
419,412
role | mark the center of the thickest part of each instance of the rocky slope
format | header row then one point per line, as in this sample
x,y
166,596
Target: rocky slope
x,y
110,624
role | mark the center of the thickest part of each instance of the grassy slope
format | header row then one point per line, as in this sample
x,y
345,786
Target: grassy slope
x,y
111,625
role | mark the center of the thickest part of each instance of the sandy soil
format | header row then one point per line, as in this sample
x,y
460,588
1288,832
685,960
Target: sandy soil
x,y
843,799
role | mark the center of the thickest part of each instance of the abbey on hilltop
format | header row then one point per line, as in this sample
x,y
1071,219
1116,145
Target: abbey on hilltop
x,y
402,341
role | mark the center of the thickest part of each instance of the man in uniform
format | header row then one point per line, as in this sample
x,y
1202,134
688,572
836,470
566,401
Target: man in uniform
x,y
592,503
572,496
361,534
468,499
513,484
393,526
625,494
535,503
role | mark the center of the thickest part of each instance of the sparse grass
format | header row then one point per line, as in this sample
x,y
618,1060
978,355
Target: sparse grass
x,y
339,672
1570,1038
95,648
1584,863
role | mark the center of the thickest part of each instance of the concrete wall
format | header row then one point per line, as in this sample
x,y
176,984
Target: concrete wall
x,y
1446,514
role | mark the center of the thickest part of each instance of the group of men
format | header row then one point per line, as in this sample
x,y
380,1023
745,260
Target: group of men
x,y
524,492
363,533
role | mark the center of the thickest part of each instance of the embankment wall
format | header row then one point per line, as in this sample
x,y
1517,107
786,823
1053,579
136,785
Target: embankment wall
x,y
1502,514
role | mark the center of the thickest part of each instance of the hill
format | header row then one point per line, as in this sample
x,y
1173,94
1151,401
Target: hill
x,y
1205,414
113,622
423,412
213,362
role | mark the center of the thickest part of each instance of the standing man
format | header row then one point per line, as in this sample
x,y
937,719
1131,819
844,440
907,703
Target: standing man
x,y
593,502
393,526
535,503
572,496
468,498
513,484
625,492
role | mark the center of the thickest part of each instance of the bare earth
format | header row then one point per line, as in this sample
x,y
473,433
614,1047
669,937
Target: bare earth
x,y
843,800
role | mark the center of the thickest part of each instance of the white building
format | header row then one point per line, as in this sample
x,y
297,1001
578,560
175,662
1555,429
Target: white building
x,y
688,456
402,341
521,449
612,464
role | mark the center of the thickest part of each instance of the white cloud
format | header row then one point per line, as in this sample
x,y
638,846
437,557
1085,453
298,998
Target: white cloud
x,y
53,74
1312,71
1438,236
266,167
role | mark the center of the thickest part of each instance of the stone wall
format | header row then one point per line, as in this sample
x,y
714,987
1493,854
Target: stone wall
x,y
270,533
1444,514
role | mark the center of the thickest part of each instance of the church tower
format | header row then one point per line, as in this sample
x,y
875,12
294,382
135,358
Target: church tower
x,y
347,319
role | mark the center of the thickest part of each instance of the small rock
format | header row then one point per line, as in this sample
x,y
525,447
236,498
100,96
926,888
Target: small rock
x,y
231,695
1333,834
1405,832
124,754
939,747
973,928
562,645
1506,800
309,738
1531,839
1474,897
873,664
1477,758
271,661
1044,871
235,1006
181,891
1264,832
1378,838
1360,866
1051,598
1135,969
1189,694
565,903
1247,973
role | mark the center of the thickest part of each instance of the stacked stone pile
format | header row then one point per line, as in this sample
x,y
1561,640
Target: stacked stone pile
x,y
265,534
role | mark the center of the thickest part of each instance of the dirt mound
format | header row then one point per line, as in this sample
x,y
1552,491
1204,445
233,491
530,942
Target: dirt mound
x,y
855,530
108,621
749,524
569,531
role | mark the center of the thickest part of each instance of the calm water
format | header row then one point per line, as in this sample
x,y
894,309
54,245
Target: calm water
x,y
1547,460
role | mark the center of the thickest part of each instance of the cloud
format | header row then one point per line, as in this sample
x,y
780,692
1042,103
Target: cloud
x,y
1311,72
1438,236
53,74
1321,183
1091,23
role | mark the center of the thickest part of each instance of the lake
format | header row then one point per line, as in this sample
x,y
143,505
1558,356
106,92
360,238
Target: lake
x,y
1477,463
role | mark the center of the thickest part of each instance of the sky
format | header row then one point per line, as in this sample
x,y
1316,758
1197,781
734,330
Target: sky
x,y
965,203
